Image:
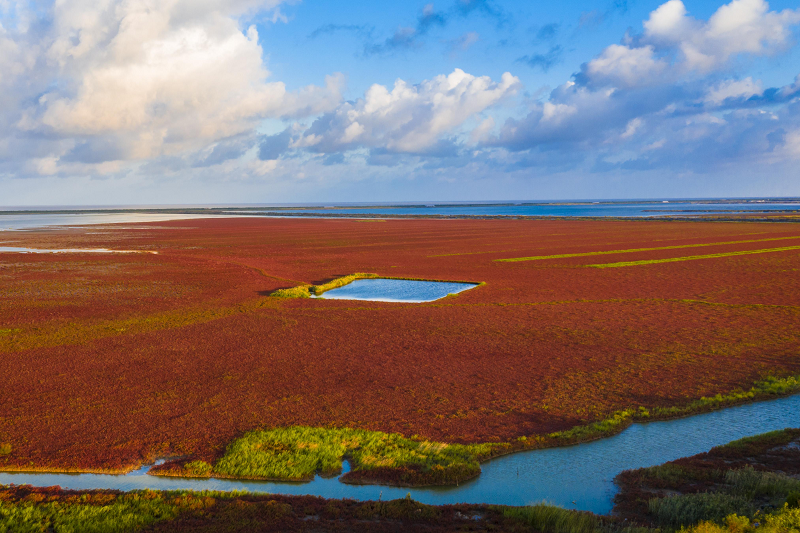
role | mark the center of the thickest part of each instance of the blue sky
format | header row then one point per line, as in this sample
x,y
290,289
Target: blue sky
x,y
204,101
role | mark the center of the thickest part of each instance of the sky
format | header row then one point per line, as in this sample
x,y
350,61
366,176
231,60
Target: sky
x,y
109,102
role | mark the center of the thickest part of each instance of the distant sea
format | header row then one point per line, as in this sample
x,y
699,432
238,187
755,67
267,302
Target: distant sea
x,y
646,208
16,218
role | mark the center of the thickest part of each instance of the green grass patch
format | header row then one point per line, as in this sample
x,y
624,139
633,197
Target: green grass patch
x,y
633,250
96,512
692,257
198,469
301,291
297,453
340,282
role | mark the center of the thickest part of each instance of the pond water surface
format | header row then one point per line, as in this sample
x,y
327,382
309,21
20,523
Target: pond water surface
x,y
575,477
396,290
21,250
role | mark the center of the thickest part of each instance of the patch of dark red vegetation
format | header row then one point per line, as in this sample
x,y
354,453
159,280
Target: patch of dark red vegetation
x,y
253,513
111,360
778,452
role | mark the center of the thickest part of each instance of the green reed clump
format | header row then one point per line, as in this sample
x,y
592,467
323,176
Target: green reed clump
x,y
96,513
741,493
552,519
793,500
753,483
297,453
5,448
687,509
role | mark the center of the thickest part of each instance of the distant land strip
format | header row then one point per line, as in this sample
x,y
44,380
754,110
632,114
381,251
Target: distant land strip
x,y
631,250
692,257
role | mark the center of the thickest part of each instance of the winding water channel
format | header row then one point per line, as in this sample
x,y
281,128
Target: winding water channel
x,y
574,477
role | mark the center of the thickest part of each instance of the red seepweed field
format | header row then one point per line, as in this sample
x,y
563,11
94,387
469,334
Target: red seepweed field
x,y
109,360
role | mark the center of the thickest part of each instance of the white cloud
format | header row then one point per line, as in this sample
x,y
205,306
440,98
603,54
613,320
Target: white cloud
x,y
622,65
675,44
632,127
734,89
147,78
482,132
408,118
667,75
742,26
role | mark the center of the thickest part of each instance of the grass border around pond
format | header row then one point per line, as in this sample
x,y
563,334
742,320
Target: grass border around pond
x,y
308,290
392,459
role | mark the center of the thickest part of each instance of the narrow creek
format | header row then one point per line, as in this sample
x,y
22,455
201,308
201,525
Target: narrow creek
x,y
574,477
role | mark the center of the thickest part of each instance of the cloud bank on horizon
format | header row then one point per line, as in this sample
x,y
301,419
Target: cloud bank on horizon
x,y
120,101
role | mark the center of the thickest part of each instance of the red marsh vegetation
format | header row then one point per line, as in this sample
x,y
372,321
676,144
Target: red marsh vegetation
x,y
112,359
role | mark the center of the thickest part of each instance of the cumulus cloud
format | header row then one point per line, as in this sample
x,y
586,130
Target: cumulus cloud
x,y
674,44
742,26
138,79
407,118
668,97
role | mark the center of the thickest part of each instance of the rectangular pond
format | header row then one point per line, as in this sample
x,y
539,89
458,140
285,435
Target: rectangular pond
x,y
396,290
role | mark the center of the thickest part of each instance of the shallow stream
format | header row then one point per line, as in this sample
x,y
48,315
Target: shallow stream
x,y
575,477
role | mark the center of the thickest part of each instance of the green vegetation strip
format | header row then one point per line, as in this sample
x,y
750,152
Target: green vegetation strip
x,y
693,257
297,453
761,390
632,250
98,512
305,291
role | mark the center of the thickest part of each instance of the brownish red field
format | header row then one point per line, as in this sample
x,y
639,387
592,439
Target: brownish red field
x,y
108,360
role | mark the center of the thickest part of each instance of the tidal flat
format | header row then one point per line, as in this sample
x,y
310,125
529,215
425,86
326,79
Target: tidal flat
x,y
115,360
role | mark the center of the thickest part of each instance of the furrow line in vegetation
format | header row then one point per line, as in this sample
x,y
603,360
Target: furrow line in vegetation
x,y
634,250
693,257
